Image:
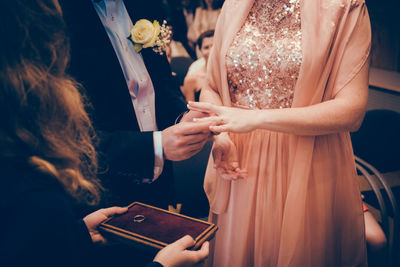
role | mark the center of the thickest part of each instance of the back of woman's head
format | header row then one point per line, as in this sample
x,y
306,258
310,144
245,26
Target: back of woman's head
x,y
41,111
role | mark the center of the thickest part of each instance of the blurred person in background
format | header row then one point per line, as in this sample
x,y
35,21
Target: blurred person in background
x,y
181,17
205,19
375,237
196,75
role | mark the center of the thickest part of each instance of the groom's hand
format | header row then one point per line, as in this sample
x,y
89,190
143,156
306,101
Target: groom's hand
x,y
184,140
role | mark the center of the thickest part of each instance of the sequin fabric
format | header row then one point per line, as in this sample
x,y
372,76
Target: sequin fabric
x,y
264,59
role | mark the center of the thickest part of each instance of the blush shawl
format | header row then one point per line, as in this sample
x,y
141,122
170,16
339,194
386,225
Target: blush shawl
x,y
336,38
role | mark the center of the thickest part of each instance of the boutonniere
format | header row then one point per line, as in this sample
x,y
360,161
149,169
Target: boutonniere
x,y
145,34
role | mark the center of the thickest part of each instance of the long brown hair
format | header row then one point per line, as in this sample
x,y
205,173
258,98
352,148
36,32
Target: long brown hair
x,y
41,110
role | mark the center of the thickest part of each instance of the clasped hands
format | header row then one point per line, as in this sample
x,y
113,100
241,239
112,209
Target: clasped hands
x,y
185,139
222,120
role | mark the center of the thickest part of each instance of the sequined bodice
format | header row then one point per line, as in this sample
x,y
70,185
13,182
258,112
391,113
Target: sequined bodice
x,y
264,59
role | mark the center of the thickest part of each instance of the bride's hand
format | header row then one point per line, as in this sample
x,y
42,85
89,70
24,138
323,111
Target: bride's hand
x,y
226,119
226,160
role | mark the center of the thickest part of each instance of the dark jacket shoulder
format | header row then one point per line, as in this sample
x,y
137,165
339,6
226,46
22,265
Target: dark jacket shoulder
x,y
38,226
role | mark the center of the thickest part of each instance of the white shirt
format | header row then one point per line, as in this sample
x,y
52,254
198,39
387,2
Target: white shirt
x,y
117,24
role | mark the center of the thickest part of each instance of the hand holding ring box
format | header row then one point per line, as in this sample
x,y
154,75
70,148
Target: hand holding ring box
x,y
150,227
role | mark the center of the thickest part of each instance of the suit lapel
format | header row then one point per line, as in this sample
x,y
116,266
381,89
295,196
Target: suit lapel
x,y
99,35
95,65
150,10
140,10
136,12
89,40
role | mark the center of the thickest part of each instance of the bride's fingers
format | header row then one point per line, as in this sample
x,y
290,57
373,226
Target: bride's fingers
x,y
231,171
226,174
223,164
211,119
203,107
235,165
220,128
242,174
239,174
231,175
196,109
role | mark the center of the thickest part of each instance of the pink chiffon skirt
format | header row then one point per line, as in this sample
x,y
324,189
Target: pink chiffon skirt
x,y
267,220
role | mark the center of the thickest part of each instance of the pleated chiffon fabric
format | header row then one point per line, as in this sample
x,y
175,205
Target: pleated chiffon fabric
x,y
301,204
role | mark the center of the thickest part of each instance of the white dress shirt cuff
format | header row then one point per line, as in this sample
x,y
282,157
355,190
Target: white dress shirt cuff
x,y
158,154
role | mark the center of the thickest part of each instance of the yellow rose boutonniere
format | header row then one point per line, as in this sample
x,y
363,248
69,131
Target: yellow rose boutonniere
x,y
145,34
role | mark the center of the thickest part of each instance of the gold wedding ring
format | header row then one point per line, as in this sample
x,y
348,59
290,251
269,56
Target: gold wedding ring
x,y
139,218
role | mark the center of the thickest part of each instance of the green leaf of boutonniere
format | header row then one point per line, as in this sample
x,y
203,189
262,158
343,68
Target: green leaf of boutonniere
x,y
138,47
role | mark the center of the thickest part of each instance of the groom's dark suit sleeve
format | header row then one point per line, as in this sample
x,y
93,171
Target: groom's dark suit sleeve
x,y
126,155
119,145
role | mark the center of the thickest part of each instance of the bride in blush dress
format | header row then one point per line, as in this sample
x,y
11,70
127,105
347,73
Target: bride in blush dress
x,y
288,81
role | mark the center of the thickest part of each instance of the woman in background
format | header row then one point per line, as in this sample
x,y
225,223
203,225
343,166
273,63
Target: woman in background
x,y
196,77
288,79
47,158
181,17
205,18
